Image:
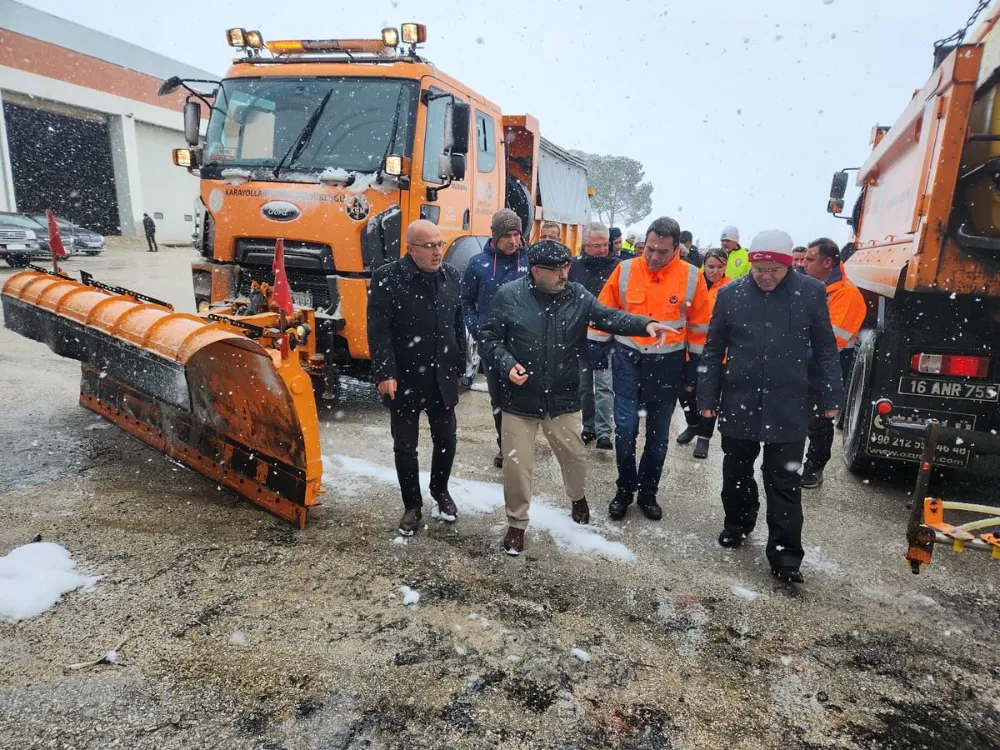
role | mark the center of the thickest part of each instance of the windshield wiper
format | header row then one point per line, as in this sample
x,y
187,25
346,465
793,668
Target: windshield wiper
x,y
392,135
305,135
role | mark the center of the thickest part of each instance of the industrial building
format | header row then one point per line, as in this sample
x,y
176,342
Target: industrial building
x,y
82,130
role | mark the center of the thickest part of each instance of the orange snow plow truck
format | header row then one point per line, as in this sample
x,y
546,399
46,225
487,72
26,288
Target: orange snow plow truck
x,y
331,147
336,146
927,259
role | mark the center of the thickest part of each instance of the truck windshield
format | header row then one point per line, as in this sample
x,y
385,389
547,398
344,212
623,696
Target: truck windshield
x,y
257,121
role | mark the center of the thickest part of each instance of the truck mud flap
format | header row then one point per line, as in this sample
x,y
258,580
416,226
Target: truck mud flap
x,y
205,396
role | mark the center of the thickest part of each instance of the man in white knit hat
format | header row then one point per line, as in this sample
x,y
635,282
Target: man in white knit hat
x,y
768,321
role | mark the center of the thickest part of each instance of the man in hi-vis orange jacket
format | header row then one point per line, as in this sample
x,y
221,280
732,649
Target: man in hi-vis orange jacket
x,y
847,314
649,374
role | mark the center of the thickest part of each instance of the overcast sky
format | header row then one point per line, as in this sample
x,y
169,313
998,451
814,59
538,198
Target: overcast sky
x,y
739,111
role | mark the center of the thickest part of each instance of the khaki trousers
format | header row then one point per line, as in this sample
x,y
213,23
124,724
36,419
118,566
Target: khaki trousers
x,y
518,446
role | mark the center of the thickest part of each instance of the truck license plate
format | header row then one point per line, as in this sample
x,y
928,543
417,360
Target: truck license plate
x,y
17,247
303,299
949,389
904,446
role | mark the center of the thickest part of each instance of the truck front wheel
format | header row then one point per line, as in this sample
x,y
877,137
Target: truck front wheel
x,y
472,362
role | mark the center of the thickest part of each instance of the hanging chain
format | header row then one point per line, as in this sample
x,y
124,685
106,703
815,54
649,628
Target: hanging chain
x,y
959,35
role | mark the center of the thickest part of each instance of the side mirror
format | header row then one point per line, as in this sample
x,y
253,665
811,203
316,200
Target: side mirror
x,y
457,120
169,86
451,167
839,186
835,206
192,122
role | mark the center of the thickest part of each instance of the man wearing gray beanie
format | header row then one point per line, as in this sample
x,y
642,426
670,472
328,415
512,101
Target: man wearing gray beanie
x,y
503,260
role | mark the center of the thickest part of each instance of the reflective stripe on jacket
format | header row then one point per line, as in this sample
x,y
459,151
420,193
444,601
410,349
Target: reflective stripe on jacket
x,y
675,295
847,309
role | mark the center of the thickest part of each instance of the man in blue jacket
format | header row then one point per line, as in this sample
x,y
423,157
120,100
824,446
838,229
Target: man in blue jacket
x,y
503,260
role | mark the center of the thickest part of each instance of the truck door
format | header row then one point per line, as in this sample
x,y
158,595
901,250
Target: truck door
x,y
450,209
486,178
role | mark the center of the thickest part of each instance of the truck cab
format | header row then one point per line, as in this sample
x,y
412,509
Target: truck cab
x,y
335,146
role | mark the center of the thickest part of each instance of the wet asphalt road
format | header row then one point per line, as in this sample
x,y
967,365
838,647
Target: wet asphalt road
x,y
689,645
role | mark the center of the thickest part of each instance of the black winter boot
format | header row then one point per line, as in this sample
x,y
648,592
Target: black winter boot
x,y
649,507
687,435
619,506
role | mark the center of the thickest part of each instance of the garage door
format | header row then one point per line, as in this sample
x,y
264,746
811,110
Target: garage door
x,y
168,192
61,159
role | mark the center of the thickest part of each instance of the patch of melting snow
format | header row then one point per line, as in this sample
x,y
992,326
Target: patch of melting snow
x,y
102,425
471,496
34,577
410,596
580,654
481,387
238,638
745,593
400,541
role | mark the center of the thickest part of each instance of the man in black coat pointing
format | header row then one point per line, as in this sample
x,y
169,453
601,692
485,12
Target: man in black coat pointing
x,y
768,324
416,334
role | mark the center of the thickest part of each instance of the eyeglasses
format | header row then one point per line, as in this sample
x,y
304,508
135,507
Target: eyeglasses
x,y
428,245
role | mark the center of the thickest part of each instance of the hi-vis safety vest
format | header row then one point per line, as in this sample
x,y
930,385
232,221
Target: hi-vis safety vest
x,y
738,263
676,296
847,310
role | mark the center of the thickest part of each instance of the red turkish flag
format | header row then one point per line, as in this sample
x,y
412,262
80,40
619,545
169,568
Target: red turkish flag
x,y
282,294
55,241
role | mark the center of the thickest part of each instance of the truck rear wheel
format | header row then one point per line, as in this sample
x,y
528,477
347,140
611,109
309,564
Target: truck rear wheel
x,y
858,411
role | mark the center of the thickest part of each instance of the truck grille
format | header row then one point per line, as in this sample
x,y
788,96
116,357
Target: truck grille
x,y
13,234
299,281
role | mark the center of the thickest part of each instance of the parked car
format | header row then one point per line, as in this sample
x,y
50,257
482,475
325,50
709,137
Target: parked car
x,y
76,239
19,240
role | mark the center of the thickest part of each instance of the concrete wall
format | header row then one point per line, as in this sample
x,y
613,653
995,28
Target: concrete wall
x,y
132,165
50,58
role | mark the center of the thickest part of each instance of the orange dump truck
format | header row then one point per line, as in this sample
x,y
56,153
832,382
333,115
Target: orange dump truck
x,y
336,146
927,237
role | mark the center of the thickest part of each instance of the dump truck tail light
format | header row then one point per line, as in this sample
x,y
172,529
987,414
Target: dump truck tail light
x,y
958,365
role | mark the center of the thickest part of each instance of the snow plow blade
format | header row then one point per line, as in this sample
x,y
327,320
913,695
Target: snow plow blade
x,y
201,391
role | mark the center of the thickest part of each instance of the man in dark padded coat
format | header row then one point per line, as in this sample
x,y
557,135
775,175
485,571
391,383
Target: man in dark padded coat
x,y
534,334
416,334
764,323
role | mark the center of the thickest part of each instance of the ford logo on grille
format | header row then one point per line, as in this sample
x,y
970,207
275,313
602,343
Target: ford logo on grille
x,y
280,211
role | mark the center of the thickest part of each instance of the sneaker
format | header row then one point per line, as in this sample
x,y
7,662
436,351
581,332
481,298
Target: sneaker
x,y
410,521
731,539
649,507
604,443
687,435
588,437
811,478
619,506
581,511
788,575
498,460
701,448
513,543
447,510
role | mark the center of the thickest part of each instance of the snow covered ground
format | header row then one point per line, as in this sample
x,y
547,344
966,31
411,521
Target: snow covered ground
x,y
34,577
472,496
